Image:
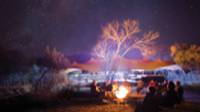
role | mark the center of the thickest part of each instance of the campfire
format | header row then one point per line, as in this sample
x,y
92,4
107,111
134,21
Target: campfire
x,y
118,94
122,92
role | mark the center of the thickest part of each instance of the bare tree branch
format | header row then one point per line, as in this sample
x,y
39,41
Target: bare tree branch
x,y
119,38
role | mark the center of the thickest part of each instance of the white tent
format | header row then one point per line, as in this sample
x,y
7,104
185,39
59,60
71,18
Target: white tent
x,y
175,72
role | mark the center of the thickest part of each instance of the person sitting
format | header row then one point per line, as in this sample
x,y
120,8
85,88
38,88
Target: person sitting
x,y
171,96
108,90
164,87
180,92
140,88
150,103
152,83
93,88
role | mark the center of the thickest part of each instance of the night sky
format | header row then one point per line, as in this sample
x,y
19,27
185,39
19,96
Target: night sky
x,y
74,26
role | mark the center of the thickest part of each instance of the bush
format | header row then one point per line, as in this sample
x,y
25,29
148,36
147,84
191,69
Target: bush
x,y
54,59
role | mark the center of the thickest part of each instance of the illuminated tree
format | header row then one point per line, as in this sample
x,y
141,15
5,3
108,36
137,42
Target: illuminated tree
x,y
118,38
188,56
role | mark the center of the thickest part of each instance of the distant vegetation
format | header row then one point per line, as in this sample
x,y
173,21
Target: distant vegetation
x,y
55,59
12,60
188,56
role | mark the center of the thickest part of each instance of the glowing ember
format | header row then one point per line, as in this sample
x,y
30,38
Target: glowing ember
x,y
121,92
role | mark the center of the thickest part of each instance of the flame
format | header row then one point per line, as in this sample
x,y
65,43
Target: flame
x,y
121,92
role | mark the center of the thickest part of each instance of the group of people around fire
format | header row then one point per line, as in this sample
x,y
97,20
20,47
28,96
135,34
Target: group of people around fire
x,y
161,95
107,90
156,95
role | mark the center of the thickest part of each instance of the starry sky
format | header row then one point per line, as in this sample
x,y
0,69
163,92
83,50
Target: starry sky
x,y
74,26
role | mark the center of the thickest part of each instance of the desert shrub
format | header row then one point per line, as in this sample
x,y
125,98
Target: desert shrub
x,y
40,82
54,59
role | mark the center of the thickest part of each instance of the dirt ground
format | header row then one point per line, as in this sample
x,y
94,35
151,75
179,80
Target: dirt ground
x,y
96,106
89,104
101,107
93,108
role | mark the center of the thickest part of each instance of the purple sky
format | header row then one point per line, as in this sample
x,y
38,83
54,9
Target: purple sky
x,y
74,26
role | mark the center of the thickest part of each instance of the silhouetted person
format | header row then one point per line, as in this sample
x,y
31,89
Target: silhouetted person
x,y
108,86
180,91
108,90
152,83
171,96
150,103
164,87
140,86
93,88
